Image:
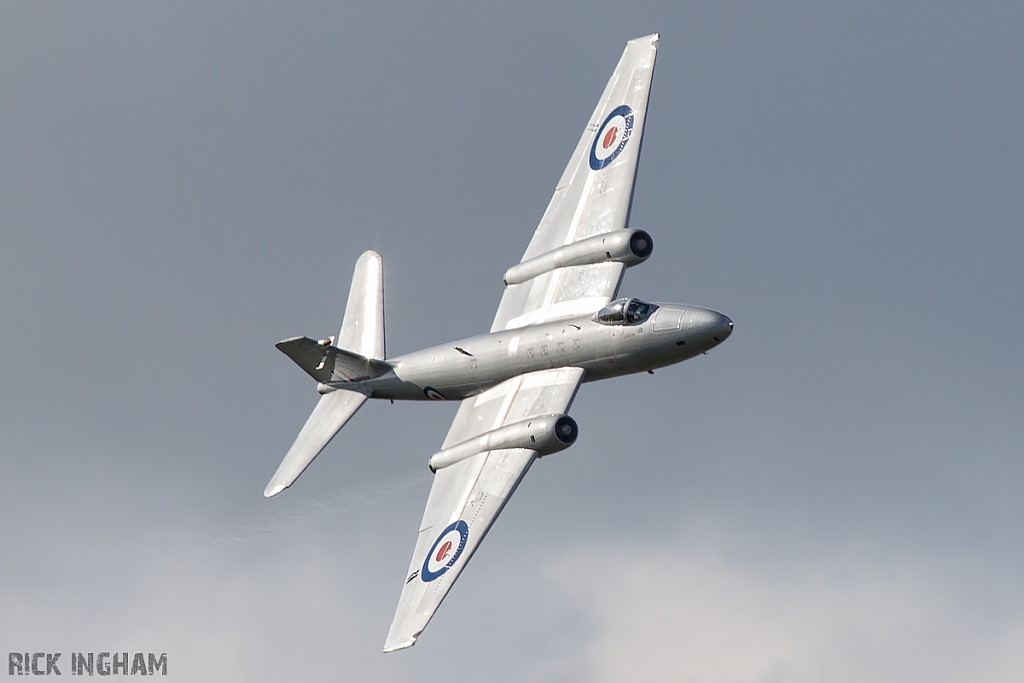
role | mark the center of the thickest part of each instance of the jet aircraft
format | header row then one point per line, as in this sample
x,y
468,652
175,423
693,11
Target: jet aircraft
x,y
558,324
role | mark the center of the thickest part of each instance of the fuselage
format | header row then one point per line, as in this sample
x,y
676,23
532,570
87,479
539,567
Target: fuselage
x,y
454,371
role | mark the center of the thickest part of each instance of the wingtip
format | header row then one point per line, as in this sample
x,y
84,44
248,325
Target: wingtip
x,y
395,647
273,489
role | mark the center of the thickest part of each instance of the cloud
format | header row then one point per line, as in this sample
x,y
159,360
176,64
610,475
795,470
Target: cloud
x,y
658,614
242,593
257,521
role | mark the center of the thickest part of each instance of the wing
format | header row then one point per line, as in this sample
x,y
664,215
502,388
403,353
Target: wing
x,y
468,496
593,196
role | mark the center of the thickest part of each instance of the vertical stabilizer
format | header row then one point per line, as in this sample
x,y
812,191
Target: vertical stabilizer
x,y
363,328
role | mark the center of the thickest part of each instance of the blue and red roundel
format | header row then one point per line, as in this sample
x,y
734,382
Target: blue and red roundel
x,y
611,137
445,551
433,394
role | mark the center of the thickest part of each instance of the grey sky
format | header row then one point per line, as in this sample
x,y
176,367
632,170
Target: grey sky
x,y
183,185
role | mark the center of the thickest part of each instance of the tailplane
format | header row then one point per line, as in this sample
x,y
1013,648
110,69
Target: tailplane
x,y
329,416
327,364
357,356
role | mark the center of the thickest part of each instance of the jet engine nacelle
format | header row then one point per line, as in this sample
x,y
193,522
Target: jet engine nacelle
x,y
545,434
627,246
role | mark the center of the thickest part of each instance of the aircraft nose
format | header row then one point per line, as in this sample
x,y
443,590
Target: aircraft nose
x,y
723,328
712,325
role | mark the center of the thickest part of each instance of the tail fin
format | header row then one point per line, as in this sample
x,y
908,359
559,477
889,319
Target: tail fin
x,y
359,354
363,328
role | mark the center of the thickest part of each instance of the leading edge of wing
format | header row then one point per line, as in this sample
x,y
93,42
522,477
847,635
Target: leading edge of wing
x,y
467,497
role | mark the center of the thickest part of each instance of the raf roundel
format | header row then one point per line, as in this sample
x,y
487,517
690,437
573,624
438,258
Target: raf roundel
x,y
433,394
445,551
611,137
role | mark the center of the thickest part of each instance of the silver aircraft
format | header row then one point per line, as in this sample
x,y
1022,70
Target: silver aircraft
x,y
559,324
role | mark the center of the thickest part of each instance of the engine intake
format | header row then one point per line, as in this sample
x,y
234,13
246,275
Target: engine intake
x,y
545,434
627,246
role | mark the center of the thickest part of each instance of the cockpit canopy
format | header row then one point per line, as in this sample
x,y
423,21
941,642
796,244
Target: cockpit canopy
x,y
625,312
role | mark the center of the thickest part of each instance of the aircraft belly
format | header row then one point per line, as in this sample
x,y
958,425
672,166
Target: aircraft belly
x,y
436,378
470,366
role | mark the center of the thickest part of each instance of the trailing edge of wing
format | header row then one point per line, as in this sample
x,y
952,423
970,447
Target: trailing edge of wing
x,y
329,416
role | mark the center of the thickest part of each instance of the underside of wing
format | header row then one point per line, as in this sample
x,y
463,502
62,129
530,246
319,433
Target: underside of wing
x,y
593,196
468,496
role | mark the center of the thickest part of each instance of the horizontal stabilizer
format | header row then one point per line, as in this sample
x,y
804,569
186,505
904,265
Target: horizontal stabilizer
x,y
330,415
325,362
